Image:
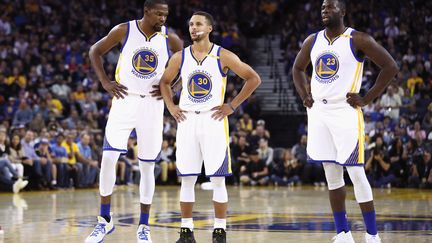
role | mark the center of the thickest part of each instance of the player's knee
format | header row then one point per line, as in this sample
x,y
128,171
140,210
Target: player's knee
x,y
188,181
218,182
334,176
187,192
220,194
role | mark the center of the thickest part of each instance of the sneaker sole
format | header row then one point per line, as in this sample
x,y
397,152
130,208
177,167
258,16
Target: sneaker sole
x,y
109,232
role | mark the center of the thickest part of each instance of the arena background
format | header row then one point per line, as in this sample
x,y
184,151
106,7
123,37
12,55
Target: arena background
x,y
49,92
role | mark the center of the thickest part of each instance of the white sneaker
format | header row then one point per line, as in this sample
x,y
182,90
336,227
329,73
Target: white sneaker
x,y
101,229
343,237
143,234
19,185
372,238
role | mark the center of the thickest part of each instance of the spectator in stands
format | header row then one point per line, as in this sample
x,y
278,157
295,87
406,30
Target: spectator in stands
x,y
254,172
421,171
42,165
90,167
167,164
23,115
60,159
390,103
264,151
17,156
287,171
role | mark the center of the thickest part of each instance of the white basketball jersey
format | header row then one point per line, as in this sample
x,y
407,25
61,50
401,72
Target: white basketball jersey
x,y
203,81
336,68
142,59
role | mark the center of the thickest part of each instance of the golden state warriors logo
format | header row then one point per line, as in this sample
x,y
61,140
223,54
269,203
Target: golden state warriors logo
x,y
326,67
199,87
145,61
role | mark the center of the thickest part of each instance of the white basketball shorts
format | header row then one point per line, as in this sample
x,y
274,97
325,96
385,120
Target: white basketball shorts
x,y
335,134
142,113
199,138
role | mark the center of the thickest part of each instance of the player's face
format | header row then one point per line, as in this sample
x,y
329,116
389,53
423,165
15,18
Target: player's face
x,y
331,13
199,27
157,15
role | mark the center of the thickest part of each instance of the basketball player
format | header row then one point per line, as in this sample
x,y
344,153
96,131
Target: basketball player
x,y
335,119
145,49
202,118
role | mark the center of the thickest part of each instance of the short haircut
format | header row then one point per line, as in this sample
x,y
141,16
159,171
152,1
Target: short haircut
x,y
207,16
152,3
342,4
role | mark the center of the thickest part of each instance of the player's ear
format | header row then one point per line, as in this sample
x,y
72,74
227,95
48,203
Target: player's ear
x,y
210,28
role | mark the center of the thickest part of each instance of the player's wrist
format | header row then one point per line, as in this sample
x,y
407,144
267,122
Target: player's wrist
x,y
231,106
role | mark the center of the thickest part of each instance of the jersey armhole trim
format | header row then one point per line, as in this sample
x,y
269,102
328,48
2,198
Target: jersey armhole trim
x,y
359,59
183,57
127,36
219,63
313,43
167,45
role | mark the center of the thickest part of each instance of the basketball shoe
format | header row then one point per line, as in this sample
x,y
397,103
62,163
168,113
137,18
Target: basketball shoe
x,y
186,236
143,234
343,237
101,229
372,238
219,235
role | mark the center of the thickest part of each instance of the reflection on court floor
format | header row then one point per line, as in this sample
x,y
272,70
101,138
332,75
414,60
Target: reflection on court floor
x,y
255,215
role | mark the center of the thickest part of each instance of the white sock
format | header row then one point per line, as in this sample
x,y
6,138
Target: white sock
x,y
220,223
187,223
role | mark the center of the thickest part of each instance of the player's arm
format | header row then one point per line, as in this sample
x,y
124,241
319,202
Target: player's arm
x,y
115,36
175,44
252,80
299,72
169,74
365,44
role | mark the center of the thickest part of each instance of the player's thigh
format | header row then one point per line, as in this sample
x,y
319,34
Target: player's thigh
x,y
149,129
188,153
214,143
346,130
120,123
320,144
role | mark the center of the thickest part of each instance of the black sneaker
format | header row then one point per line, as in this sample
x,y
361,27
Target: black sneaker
x,y
186,236
219,235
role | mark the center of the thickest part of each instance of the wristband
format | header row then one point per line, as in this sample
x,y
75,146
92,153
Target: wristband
x,y
230,106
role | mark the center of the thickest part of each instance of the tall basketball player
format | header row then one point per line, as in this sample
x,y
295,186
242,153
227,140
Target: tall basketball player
x,y
335,119
202,118
145,50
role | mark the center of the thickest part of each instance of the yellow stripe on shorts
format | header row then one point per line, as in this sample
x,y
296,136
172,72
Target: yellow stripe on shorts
x,y
361,138
227,142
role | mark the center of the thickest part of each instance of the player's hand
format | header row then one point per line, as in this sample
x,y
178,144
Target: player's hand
x,y
177,113
355,100
221,112
156,92
308,101
115,89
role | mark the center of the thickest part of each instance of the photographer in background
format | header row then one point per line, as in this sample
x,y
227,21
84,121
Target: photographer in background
x,y
378,167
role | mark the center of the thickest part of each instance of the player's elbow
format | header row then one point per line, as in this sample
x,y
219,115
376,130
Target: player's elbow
x,y
393,68
256,80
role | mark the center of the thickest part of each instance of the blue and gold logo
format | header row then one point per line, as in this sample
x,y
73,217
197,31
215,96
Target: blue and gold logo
x,y
326,65
145,61
199,85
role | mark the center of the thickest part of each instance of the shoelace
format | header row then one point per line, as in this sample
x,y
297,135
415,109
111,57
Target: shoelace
x,y
100,228
143,235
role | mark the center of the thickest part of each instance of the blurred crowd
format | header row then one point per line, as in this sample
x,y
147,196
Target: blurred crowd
x,y
398,125
53,110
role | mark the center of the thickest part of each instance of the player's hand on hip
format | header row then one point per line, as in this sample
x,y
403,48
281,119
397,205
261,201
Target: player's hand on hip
x,y
308,101
221,112
156,92
177,113
355,100
115,89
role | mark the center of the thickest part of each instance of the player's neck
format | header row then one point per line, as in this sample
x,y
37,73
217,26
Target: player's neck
x,y
202,46
335,31
146,28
